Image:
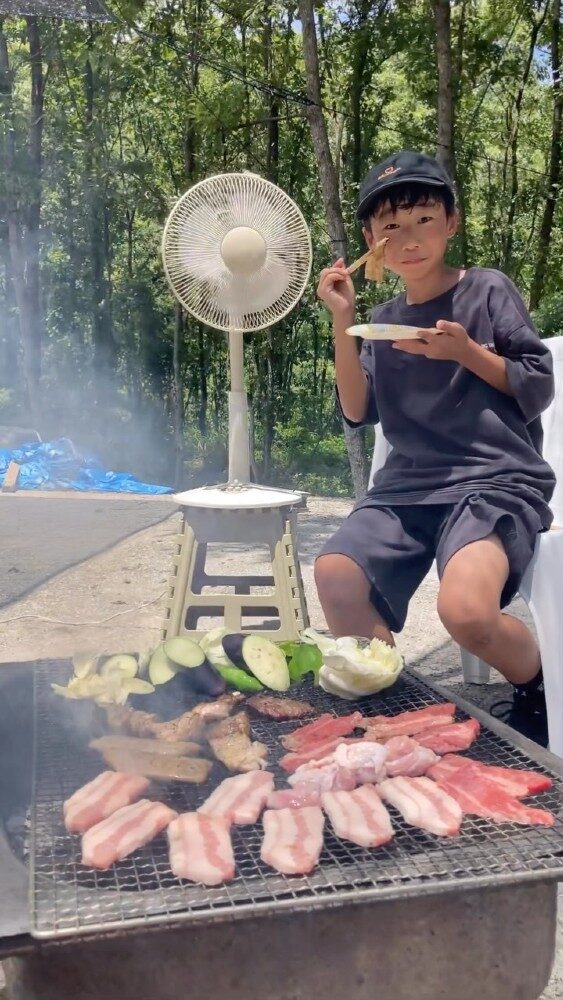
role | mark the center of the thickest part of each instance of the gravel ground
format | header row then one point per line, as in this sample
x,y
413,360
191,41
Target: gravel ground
x,y
126,585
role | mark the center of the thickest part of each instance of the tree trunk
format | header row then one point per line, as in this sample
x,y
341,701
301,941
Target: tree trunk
x,y
23,240
355,439
445,152
554,162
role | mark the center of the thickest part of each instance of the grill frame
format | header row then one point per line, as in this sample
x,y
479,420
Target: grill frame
x,y
89,905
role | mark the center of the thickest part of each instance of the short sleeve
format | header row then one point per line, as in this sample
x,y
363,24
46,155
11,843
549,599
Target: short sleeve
x,y
367,361
529,365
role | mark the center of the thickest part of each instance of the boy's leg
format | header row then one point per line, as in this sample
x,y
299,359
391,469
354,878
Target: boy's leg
x,y
344,593
469,607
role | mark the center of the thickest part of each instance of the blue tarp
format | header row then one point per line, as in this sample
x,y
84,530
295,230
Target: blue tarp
x,y
56,465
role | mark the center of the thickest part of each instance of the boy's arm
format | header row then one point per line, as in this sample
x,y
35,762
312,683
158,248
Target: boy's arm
x,y
355,395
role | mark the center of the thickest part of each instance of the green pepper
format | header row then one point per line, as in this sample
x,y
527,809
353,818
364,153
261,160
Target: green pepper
x,y
239,679
289,648
307,659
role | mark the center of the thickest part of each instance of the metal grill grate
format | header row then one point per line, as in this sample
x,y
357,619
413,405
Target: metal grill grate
x,y
69,899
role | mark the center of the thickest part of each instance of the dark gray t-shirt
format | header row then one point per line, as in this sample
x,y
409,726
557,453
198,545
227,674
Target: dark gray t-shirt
x,y
451,432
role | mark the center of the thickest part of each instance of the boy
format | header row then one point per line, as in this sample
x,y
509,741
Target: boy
x,y
460,404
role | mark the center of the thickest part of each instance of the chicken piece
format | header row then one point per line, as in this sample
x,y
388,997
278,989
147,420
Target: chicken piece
x,y
406,757
293,839
201,849
417,801
129,720
279,708
124,832
359,816
231,744
240,799
100,798
191,725
381,727
478,796
133,744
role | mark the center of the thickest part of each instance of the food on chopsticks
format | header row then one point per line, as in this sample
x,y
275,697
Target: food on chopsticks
x,y
455,736
124,832
279,708
373,260
134,744
423,804
406,757
240,799
231,743
322,729
100,798
514,781
359,816
381,727
293,839
477,795
201,848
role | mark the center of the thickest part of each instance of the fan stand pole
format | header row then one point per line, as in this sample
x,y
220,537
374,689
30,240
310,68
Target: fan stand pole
x,y
239,448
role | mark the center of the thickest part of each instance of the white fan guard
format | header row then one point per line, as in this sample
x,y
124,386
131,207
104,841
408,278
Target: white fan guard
x,y
252,223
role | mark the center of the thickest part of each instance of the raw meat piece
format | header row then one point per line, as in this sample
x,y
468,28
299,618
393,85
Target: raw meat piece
x,y
316,752
359,816
231,743
478,796
100,798
457,736
279,708
328,778
293,839
324,728
380,727
366,761
240,799
201,849
416,800
406,757
124,832
514,781
300,795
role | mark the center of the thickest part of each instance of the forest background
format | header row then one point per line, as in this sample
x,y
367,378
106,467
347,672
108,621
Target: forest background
x,y
104,125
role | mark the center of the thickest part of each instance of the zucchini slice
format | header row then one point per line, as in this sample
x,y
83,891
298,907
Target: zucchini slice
x,y
161,670
266,661
184,652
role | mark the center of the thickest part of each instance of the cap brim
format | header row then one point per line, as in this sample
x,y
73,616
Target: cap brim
x,y
393,182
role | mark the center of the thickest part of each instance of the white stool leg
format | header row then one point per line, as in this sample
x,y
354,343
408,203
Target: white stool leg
x,y
475,671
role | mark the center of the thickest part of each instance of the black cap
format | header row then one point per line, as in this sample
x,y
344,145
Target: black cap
x,y
401,168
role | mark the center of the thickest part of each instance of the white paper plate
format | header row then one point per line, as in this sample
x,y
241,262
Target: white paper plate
x,y
383,331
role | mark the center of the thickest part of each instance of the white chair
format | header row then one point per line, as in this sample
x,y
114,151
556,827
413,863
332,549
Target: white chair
x,y
542,584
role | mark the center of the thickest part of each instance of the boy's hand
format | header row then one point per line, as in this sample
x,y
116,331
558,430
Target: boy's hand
x,y
336,290
448,342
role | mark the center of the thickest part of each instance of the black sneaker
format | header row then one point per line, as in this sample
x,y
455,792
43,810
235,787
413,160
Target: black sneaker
x,y
526,712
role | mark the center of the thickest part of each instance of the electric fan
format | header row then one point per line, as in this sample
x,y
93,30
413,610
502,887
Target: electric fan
x,y
237,255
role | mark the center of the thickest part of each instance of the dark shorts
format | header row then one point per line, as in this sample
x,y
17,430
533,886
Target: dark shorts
x,y
395,546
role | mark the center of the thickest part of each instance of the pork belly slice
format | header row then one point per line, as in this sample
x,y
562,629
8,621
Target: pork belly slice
x,y
293,839
408,758
457,736
514,781
359,816
100,798
478,796
240,799
381,727
324,728
201,849
300,795
124,832
418,803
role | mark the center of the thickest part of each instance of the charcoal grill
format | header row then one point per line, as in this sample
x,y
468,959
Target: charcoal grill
x,y
67,899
